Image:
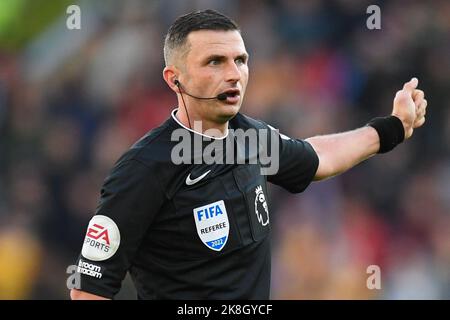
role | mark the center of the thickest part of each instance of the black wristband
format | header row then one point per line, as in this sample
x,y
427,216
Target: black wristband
x,y
390,130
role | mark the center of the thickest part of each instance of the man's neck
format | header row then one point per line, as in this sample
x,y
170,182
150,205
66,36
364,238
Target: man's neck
x,y
201,126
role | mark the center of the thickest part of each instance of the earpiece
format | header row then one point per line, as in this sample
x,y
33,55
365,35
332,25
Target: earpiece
x,y
220,96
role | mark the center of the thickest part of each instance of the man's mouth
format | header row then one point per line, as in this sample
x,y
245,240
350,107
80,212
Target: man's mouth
x,y
233,96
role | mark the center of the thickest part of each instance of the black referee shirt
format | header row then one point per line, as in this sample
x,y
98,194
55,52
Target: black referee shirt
x,y
188,231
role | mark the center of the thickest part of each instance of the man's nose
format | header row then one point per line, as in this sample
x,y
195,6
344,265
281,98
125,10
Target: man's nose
x,y
233,74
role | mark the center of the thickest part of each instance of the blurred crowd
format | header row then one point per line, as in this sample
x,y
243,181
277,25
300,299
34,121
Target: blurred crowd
x,y
72,101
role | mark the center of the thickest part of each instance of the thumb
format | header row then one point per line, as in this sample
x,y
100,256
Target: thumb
x,y
411,85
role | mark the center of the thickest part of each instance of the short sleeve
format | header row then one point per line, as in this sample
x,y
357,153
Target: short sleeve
x,y
298,163
130,198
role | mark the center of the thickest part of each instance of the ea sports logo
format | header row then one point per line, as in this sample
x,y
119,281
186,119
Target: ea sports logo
x,y
261,208
98,232
102,239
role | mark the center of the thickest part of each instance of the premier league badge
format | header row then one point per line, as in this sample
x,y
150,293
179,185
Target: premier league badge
x,y
261,209
212,224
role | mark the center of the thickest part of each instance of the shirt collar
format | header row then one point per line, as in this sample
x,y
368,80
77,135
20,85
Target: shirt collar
x,y
199,133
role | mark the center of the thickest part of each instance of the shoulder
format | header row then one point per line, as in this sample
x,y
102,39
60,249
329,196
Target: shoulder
x,y
152,149
149,157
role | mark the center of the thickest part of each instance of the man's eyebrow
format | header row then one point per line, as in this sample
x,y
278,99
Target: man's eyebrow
x,y
219,57
215,57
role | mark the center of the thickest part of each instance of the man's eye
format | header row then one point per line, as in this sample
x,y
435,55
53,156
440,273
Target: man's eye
x,y
214,62
240,61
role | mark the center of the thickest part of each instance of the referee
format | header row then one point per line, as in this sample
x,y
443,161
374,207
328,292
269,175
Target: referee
x,y
201,229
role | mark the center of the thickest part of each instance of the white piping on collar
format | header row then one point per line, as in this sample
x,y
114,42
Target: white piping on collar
x,y
203,135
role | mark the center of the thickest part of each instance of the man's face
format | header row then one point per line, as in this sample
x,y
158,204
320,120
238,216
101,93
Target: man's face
x,y
216,62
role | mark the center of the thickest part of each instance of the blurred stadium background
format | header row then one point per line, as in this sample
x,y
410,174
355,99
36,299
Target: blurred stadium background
x,y
72,101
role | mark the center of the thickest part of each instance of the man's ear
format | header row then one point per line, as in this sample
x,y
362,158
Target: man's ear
x,y
170,74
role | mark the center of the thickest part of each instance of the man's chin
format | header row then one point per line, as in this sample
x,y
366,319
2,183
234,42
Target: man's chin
x,y
228,112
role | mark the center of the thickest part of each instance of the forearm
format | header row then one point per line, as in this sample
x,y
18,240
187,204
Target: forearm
x,y
341,151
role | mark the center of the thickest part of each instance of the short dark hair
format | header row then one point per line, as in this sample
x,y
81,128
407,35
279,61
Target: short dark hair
x,y
194,21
